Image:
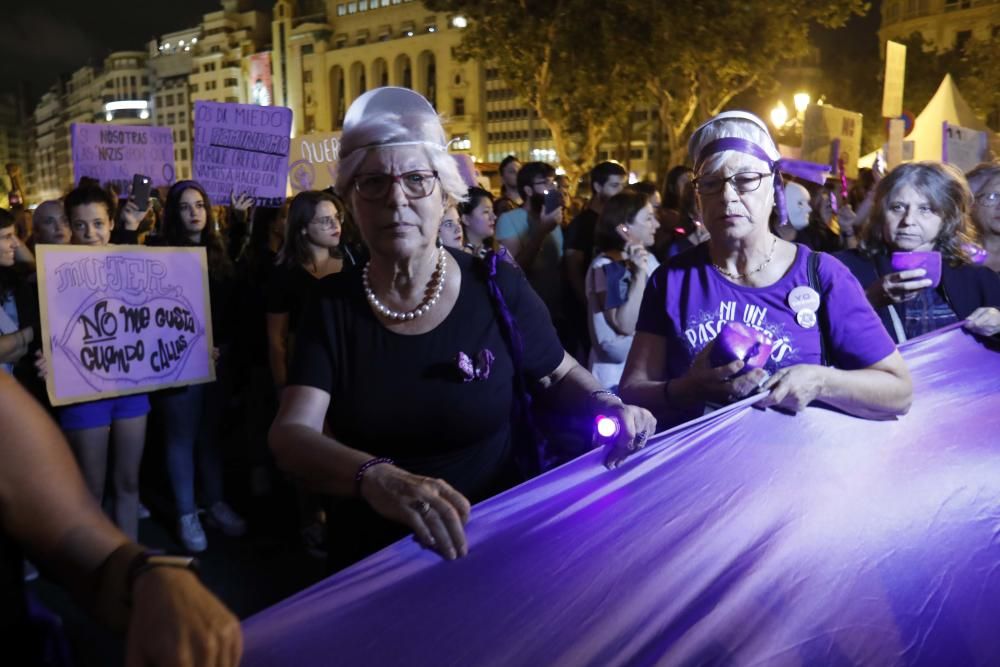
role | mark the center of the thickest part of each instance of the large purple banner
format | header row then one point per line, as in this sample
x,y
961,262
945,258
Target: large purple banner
x,y
745,538
122,320
115,153
242,148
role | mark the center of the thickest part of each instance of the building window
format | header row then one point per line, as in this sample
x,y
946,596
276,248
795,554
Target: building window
x,y
159,101
182,135
962,38
194,87
229,83
307,49
362,5
232,99
184,154
170,100
352,7
171,118
307,76
182,117
341,9
458,106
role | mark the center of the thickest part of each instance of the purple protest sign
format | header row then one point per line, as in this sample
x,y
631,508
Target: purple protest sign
x,y
122,320
242,148
115,153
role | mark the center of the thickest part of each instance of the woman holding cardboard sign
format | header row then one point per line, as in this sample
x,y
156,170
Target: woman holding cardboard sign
x,y
914,258
90,426
417,360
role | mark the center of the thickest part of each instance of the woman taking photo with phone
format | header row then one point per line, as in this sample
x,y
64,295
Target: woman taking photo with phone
x,y
616,279
921,218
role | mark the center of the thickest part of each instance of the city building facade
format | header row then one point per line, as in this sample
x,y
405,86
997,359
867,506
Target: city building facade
x,y
315,57
944,23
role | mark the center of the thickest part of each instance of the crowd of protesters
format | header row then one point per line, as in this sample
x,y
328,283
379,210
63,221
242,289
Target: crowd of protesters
x,y
330,316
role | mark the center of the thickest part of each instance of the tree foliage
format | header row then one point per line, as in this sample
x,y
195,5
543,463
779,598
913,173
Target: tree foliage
x,y
582,66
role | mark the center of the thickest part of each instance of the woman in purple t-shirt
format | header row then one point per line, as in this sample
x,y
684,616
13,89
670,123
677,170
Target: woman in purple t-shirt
x,y
810,312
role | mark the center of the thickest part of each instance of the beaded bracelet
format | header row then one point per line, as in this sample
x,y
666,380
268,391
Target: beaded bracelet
x,y
358,476
605,392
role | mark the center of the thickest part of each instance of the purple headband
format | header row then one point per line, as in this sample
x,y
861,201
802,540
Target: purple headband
x,y
810,171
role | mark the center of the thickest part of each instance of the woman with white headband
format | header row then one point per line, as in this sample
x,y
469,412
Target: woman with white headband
x,y
811,334
416,360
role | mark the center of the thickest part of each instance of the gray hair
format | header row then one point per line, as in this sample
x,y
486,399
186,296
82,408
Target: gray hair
x,y
949,197
386,131
724,127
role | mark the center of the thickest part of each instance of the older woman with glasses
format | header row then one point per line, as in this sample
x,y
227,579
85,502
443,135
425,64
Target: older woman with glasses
x,y
920,213
984,181
810,334
418,361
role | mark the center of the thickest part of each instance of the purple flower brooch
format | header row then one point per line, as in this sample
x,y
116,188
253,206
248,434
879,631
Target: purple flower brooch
x,y
470,369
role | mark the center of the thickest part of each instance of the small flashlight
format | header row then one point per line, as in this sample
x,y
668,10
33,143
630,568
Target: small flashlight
x,y
607,427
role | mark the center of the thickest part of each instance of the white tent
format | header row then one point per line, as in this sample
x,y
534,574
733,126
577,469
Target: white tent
x,y
946,105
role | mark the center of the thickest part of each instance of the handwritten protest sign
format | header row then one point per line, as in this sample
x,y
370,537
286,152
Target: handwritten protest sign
x,y
314,161
242,148
963,146
115,153
825,125
120,320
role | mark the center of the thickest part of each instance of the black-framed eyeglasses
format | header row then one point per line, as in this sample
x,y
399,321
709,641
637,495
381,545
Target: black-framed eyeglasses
x,y
989,199
416,184
745,181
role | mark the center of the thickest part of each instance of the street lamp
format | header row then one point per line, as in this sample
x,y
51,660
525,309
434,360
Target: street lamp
x,y
779,115
460,22
801,102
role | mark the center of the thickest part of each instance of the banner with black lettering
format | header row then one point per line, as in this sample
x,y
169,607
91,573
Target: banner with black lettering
x,y
120,320
242,149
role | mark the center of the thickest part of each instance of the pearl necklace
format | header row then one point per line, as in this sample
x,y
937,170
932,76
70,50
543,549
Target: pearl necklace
x,y
432,292
744,276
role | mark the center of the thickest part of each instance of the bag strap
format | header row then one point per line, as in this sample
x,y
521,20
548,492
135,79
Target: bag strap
x,y
533,462
821,316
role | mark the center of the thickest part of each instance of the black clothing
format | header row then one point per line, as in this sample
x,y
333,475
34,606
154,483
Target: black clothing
x,y
580,235
404,397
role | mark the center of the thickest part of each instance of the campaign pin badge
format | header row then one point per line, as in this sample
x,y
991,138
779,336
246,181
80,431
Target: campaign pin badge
x,y
806,318
803,298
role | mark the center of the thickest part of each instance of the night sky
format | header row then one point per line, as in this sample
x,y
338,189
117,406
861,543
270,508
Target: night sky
x,y
41,39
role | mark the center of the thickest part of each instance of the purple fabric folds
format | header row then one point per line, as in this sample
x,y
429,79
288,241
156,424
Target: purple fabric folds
x,y
746,537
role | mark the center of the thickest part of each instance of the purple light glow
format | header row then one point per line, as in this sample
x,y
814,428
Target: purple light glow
x,y
607,427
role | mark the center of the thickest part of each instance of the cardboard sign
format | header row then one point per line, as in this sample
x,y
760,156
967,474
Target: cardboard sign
x,y
120,320
826,126
895,76
242,148
115,153
314,161
963,147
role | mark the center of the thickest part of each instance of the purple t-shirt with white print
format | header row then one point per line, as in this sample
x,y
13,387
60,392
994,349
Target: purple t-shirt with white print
x,y
687,301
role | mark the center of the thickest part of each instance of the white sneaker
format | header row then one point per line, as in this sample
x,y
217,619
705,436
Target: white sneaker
x,y
228,521
191,533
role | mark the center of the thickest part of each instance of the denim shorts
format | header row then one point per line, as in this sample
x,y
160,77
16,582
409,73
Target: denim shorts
x,y
102,412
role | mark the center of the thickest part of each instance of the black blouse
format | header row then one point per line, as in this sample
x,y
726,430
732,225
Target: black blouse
x,y
403,396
